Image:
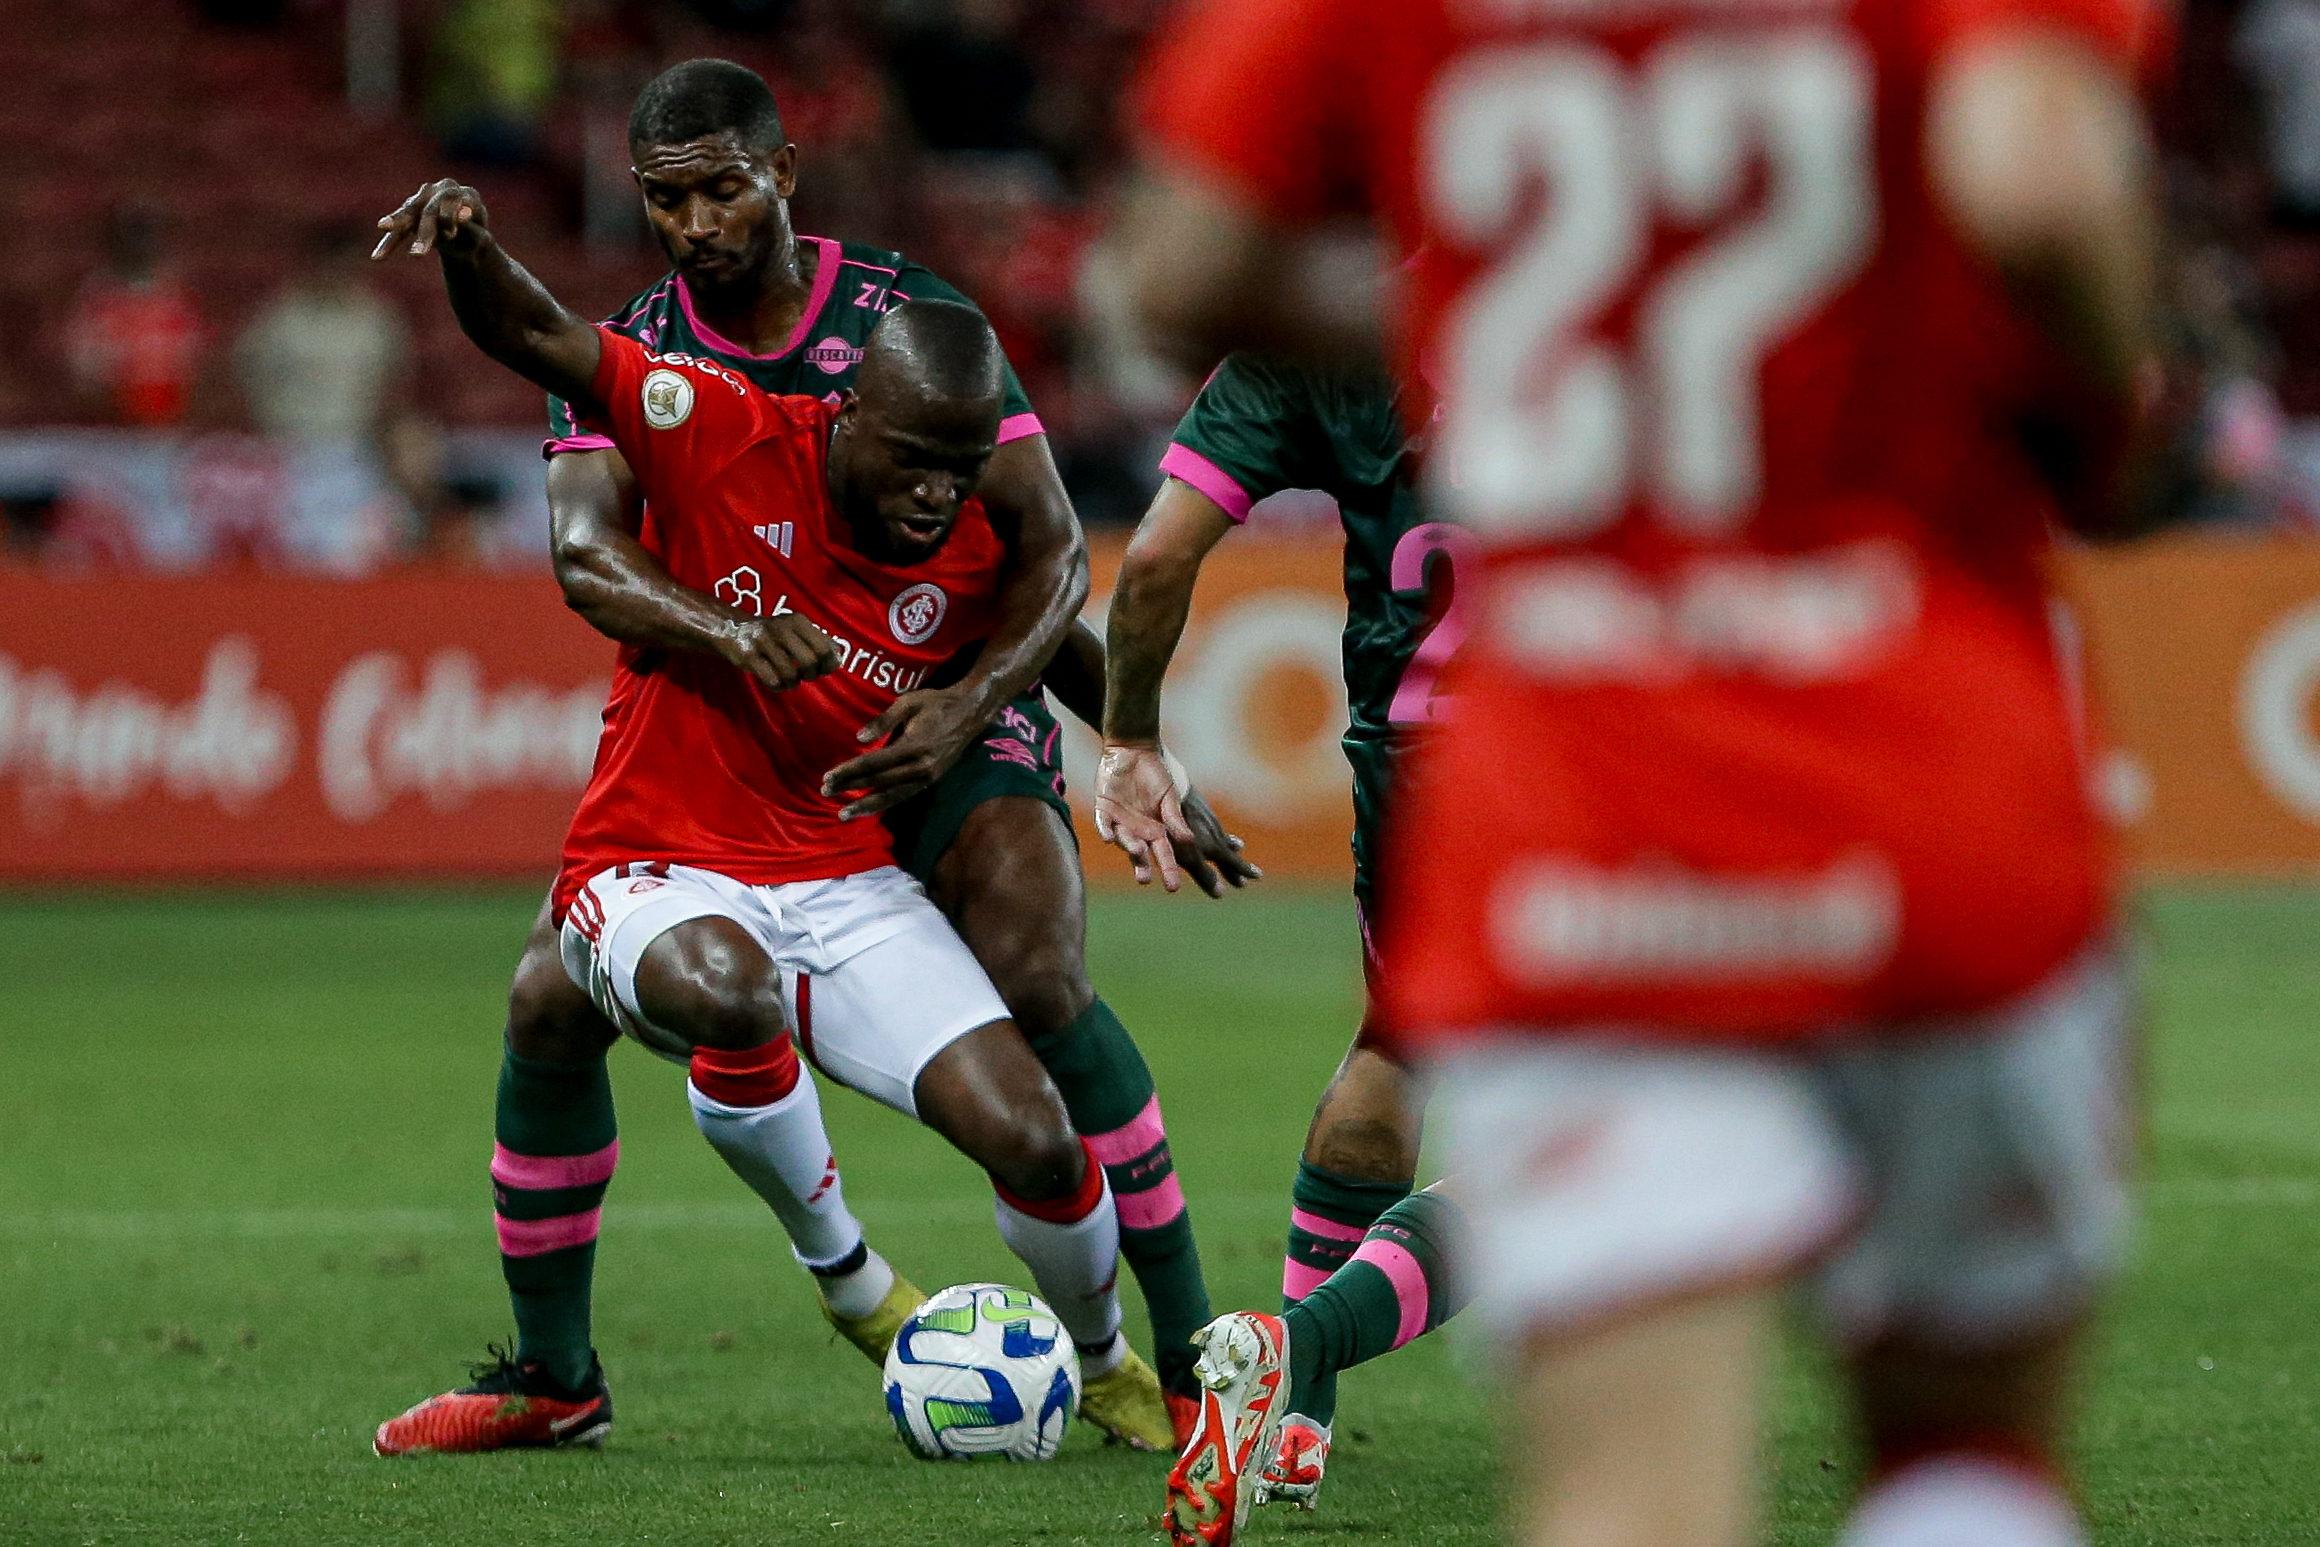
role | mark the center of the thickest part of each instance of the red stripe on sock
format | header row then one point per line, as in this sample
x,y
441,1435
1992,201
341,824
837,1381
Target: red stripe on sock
x,y
1062,1211
752,1077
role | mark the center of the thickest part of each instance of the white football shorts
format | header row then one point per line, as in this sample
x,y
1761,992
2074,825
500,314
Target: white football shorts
x,y
874,980
1962,1182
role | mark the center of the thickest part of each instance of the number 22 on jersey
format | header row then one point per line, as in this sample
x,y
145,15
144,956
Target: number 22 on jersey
x,y
1553,428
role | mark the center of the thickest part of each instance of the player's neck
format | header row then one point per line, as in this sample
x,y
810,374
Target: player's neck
x,y
762,312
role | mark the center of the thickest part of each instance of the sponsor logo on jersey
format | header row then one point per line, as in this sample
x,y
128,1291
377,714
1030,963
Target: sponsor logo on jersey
x,y
917,613
668,399
777,534
835,356
739,587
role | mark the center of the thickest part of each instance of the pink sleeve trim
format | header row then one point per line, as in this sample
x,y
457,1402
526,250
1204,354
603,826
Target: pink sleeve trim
x,y
581,442
1181,461
1016,426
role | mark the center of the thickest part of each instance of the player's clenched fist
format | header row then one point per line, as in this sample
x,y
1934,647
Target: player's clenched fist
x,y
446,211
781,651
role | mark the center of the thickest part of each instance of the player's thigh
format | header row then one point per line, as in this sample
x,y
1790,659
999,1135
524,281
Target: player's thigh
x,y
875,1018
720,988
1995,1148
549,1016
1643,1430
1010,881
1605,1178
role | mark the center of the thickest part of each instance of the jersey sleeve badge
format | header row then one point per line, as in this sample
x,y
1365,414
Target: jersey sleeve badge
x,y
668,399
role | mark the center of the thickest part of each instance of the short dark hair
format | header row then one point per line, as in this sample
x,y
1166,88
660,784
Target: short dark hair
x,y
702,97
945,348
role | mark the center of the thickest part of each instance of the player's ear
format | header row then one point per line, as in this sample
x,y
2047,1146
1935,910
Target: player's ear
x,y
783,164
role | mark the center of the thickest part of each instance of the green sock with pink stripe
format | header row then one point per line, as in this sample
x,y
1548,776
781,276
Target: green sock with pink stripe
x,y
1390,1291
1329,1212
556,1151
1107,1088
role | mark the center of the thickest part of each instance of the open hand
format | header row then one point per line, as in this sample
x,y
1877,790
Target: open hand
x,y
781,651
924,734
446,212
1139,808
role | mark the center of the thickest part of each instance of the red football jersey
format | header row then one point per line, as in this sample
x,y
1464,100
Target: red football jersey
x,y
700,764
1763,729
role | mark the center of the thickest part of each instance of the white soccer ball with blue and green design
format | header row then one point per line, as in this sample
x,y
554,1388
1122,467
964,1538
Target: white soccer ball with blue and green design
x,y
982,1370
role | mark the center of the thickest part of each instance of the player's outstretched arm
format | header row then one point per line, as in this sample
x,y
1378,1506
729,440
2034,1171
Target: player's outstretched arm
x,y
1076,677
508,313
608,577
1138,800
2038,154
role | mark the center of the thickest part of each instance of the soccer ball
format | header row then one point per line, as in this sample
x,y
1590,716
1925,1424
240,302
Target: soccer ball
x,y
982,1370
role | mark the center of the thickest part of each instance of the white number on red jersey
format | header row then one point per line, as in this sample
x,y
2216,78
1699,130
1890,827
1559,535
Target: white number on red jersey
x,y
1549,428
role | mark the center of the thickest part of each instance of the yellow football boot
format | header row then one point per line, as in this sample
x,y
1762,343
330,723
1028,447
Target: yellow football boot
x,y
874,1333
1127,1405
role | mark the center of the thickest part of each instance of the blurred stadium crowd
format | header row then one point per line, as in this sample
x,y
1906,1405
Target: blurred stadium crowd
x,y
199,368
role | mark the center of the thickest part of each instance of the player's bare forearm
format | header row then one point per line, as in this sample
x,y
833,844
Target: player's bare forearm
x,y
509,314
1207,274
1047,571
1150,602
626,594
1076,675
2037,151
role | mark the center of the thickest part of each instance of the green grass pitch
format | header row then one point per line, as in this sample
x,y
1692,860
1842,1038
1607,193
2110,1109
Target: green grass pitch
x,y
243,1217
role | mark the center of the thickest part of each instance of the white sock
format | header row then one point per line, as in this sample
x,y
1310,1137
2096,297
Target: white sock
x,y
859,1287
783,1152
1964,1501
1076,1268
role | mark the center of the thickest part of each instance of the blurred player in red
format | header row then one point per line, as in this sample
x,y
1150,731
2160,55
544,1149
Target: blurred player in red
x,y
1750,908
716,898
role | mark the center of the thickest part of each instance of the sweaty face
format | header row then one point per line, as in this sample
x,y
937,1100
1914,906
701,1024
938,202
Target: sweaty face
x,y
900,471
715,205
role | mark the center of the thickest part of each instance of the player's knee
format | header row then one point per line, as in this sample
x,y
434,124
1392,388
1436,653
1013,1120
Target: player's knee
x,y
1043,989
1042,1160
710,984
549,1018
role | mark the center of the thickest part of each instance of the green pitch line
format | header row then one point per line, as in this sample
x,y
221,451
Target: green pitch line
x,y
243,1217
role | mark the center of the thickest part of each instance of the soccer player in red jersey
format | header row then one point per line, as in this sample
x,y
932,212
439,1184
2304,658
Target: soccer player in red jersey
x,y
1750,908
715,897
990,837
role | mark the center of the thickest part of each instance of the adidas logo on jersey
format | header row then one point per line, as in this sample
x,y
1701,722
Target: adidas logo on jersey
x,y
777,534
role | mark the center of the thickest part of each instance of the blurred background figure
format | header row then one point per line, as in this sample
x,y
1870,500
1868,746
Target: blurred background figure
x,y
318,363
134,334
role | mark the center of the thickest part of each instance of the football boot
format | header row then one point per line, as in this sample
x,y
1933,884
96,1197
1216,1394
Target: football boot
x,y
1293,1476
1244,1374
509,1405
874,1331
1126,1403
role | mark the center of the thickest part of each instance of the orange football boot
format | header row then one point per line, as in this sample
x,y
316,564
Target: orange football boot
x,y
510,1406
1244,1375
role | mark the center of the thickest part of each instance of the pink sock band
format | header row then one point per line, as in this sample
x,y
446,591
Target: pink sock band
x,y
1132,1138
1153,1207
1300,1279
540,1173
532,1237
1327,1229
1409,1281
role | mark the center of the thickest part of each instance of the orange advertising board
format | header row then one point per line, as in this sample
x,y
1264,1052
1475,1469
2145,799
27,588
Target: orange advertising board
x,y
177,728
2204,657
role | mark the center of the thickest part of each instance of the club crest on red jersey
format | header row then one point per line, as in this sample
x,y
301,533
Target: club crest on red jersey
x,y
917,613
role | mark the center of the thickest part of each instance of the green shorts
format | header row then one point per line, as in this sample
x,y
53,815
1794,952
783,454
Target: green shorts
x,y
1021,754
